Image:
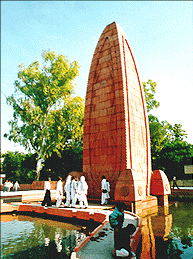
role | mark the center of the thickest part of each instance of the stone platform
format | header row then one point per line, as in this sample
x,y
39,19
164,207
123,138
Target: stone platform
x,y
25,196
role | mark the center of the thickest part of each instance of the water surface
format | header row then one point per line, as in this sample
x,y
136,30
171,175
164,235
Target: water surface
x,y
31,237
168,234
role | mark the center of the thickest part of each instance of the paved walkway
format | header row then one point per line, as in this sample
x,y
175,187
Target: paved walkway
x,y
25,196
101,245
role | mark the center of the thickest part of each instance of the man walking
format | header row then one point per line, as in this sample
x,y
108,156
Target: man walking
x,y
174,182
16,186
104,190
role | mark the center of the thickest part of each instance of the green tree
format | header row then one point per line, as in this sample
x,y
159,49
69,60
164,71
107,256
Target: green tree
x,y
175,133
70,160
149,91
157,136
157,131
47,116
19,166
169,151
172,158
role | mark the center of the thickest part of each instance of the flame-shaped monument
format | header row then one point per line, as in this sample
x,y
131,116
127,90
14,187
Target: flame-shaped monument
x,y
116,141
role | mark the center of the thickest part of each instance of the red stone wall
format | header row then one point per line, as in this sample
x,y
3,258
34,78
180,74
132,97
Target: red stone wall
x,y
39,185
23,187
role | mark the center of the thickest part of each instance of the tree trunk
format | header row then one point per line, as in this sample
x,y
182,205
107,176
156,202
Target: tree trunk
x,y
39,167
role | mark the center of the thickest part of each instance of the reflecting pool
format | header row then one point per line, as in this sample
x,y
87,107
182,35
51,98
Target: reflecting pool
x,y
168,234
31,237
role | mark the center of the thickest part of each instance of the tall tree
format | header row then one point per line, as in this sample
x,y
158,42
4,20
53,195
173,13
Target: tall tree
x,y
173,156
157,136
169,150
150,90
47,116
19,166
157,131
176,133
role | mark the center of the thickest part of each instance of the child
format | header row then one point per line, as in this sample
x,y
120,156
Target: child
x,y
116,220
121,235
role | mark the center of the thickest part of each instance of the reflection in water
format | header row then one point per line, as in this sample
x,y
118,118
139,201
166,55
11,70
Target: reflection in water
x,y
58,239
30,237
168,234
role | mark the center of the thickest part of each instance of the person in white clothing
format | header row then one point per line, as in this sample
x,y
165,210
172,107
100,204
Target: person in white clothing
x,y
73,191
83,189
104,190
16,186
10,185
59,192
67,189
77,196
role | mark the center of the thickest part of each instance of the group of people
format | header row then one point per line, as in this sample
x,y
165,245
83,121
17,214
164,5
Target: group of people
x,y
9,186
74,189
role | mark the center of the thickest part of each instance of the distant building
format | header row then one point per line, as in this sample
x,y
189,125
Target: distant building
x,y
188,169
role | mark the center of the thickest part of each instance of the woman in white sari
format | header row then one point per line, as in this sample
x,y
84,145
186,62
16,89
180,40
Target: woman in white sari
x,y
83,188
67,189
59,192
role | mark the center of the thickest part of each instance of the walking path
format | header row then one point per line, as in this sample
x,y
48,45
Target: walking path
x,y
25,196
101,245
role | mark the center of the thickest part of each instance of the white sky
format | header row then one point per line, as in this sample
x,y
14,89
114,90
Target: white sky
x,y
160,33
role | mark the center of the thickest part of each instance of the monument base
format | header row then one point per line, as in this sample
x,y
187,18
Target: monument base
x,y
163,200
144,207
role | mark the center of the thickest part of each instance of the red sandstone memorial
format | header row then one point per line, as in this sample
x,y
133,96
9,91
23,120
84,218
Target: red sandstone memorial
x,y
116,141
